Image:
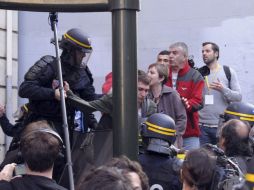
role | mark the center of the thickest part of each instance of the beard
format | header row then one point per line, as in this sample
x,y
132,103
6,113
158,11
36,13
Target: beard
x,y
209,60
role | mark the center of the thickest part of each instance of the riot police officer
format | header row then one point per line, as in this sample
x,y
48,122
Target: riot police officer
x,y
41,85
158,160
237,120
238,110
41,82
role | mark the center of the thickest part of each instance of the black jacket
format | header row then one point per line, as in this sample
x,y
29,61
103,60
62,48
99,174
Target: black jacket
x,y
41,81
159,169
30,182
9,129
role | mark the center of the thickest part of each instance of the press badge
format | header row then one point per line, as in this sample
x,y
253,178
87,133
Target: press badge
x,y
208,99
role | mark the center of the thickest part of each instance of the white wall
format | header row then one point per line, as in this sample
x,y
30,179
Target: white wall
x,y
12,71
228,23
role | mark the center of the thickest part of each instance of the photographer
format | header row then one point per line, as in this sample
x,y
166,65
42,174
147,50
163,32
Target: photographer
x,y
234,140
39,148
158,160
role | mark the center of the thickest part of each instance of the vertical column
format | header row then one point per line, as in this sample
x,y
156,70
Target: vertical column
x,y
124,36
9,56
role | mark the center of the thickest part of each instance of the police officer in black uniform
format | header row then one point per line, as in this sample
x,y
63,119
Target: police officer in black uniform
x,y
41,82
239,110
41,86
158,160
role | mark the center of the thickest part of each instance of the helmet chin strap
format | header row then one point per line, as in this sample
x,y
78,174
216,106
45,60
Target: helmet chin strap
x,y
75,64
78,63
70,58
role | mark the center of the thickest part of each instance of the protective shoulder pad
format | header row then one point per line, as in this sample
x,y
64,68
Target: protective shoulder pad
x,y
39,67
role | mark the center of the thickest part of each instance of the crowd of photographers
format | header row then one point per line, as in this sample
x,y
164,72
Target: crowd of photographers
x,y
183,145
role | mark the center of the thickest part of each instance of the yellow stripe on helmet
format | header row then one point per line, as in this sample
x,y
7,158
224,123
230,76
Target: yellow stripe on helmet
x,y
243,116
76,41
161,132
25,107
246,119
160,128
249,177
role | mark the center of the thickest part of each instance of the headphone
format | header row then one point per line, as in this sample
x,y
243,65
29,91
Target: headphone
x,y
48,131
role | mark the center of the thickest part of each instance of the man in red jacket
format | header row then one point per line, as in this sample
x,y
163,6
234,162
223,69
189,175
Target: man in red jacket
x,y
189,83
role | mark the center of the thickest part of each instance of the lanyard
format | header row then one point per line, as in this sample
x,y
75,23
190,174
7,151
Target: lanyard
x,y
214,76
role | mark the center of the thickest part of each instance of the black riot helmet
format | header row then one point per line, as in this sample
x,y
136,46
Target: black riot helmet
x,y
159,130
240,110
77,40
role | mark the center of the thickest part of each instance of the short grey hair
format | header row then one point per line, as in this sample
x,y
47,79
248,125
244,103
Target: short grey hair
x,y
181,45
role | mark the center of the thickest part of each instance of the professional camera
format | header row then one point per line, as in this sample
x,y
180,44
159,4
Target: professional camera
x,y
204,71
176,161
227,173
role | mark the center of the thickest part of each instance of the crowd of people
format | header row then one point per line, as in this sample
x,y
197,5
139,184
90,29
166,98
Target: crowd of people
x,y
181,110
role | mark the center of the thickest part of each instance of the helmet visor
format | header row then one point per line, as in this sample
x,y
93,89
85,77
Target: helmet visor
x,y
81,58
85,60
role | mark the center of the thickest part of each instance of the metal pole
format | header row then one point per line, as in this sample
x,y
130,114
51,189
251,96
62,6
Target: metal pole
x,y
9,92
124,36
53,19
56,5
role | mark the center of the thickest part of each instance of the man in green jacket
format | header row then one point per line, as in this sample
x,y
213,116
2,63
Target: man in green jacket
x,y
146,107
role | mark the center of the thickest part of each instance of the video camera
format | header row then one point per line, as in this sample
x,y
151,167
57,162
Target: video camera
x,y
176,161
204,71
227,173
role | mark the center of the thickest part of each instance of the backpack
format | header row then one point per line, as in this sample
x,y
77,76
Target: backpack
x,y
228,74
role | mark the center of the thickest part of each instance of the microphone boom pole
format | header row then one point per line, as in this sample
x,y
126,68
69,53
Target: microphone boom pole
x,y
53,20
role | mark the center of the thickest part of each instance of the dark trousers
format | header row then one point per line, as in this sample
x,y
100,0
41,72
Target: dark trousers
x,y
208,135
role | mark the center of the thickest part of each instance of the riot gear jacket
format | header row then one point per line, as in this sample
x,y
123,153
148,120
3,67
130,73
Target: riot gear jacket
x,y
159,169
41,81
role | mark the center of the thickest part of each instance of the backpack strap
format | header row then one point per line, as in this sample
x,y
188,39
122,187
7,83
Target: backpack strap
x,y
228,74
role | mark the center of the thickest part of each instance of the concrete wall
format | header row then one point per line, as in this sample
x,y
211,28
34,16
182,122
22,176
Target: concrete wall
x,y
13,72
229,23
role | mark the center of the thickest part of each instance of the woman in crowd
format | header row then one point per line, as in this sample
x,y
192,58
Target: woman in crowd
x,y
167,99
